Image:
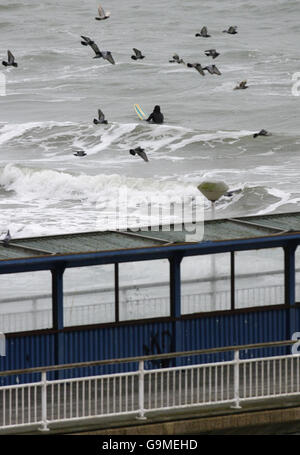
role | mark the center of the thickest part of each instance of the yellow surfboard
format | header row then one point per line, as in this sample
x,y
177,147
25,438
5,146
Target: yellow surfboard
x,y
139,111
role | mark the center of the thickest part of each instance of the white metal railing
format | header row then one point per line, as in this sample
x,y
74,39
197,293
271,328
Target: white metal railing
x,y
134,308
142,391
20,405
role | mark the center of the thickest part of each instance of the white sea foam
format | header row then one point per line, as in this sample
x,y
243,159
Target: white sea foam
x,y
206,137
48,201
49,185
106,136
283,198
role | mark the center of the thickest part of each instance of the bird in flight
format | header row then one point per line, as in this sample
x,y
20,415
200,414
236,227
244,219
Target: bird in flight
x,y
242,85
231,30
139,151
176,59
211,53
203,33
101,118
262,133
102,14
99,54
138,55
79,153
6,239
212,69
197,67
10,60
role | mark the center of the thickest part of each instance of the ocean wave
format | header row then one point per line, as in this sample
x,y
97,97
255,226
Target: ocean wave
x,y
38,201
59,139
159,138
212,136
28,184
67,135
255,200
9,132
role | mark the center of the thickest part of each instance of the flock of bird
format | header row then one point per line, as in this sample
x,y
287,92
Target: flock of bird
x,y
106,55
212,69
138,55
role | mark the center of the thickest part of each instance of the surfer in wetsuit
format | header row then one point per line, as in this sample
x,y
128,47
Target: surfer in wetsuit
x,y
156,116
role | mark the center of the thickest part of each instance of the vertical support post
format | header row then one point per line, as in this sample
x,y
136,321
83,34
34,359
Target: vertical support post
x,y
213,210
2,345
34,313
58,317
141,413
236,383
175,305
213,282
44,426
117,294
289,288
232,280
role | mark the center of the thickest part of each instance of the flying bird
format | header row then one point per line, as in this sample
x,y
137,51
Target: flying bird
x,y
203,33
212,69
231,30
138,55
79,153
211,53
176,59
242,85
139,151
6,239
233,192
197,67
102,14
101,118
104,54
107,56
262,133
10,60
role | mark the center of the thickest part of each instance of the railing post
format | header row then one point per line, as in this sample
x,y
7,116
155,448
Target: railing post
x,y
44,426
58,318
236,380
289,288
141,413
232,280
117,292
175,305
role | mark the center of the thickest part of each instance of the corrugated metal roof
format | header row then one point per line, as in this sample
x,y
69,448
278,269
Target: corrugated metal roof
x,y
240,227
86,242
89,242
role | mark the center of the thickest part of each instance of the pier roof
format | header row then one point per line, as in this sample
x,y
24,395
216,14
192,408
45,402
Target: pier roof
x,y
236,228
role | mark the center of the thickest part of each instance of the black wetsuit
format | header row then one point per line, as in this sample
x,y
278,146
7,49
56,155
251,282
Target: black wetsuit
x,y
156,116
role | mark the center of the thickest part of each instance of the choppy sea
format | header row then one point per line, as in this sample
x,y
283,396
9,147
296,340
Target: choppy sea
x,y
54,94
